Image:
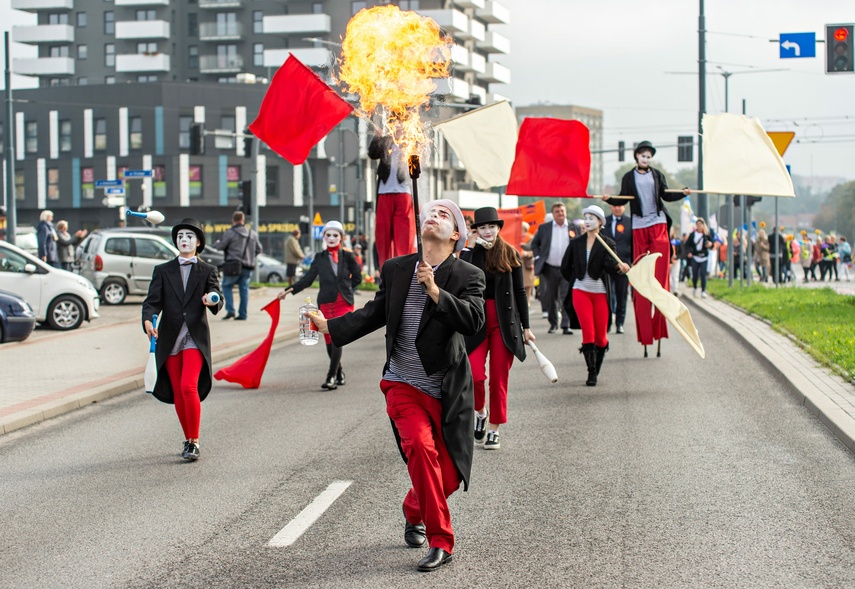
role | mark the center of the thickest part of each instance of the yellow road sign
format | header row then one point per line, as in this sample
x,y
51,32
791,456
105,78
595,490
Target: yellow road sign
x,y
781,139
317,220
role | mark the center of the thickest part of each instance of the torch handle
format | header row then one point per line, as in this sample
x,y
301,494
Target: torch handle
x,y
415,171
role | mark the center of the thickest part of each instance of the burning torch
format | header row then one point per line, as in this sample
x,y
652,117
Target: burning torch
x,y
415,171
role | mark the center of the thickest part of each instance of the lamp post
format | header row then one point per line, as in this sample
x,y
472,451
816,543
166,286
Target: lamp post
x,y
11,208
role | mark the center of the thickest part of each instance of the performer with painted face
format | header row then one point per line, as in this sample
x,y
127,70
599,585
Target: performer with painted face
x,y
585,265
506,329
339,274
179,293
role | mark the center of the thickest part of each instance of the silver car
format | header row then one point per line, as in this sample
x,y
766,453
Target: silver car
x,y
120,263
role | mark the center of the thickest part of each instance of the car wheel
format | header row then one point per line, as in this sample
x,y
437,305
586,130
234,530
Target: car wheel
x,y
2,335
113,292
274,278
65,313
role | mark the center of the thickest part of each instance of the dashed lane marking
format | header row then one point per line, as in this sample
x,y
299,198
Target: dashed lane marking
x,y
295,528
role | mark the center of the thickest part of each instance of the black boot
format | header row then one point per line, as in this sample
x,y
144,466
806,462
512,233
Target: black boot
x,y
329,383
600,354
339,377
589,351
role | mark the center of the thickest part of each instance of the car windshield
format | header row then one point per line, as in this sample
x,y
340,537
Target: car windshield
x,y
14,261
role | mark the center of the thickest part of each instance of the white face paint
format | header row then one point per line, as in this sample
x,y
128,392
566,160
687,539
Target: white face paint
x,y
488,232
439,223
643,158
187,241
592,222
332,238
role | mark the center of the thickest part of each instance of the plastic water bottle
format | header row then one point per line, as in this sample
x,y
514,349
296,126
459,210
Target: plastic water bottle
x,y
308,331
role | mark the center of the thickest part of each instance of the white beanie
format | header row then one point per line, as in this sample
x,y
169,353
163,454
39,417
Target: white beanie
x,y
458,217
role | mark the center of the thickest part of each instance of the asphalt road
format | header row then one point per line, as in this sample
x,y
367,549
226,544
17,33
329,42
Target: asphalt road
x,y
673,472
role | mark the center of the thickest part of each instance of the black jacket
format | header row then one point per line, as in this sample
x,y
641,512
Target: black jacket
x,y
511,306
628,188
574,266
174,305
348,277
622,236
700,248
380,148
440,339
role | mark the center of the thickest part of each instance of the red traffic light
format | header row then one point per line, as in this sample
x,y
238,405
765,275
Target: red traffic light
x,y
841,33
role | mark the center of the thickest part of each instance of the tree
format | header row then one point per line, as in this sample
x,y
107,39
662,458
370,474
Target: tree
x,y
837,213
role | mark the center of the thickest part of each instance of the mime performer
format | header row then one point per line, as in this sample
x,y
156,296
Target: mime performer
x,y
394,232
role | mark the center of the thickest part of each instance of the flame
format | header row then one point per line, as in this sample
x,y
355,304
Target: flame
x,y
389,58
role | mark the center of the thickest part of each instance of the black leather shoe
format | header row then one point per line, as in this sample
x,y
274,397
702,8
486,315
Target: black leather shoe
x,y
191,452
229,316
329,383
552,330
340,377
436,557
414,534
567,331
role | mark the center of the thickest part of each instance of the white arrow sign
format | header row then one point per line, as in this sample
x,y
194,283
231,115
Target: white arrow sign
x,y
791,45
113,201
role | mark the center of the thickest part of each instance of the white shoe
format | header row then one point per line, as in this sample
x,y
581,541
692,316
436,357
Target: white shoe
x,y
695,293
704,295
545,315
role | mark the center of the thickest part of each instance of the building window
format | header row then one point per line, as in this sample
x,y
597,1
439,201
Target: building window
x,y
31,132
146,78
184,124
147,14
227,23
53,184
135,125
81,20
193,57
409,5
58,51
87,183
110,55
82,51
158,176
258,54
257,21
192,25
233,181
195,174
19,185
82,81
54,82
65,135
109,23
317,7
100,134
272,182
58,18
356,7
149,48
109,79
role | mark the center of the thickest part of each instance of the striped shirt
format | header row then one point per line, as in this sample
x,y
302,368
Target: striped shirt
x,y
588,284
650,215
405,364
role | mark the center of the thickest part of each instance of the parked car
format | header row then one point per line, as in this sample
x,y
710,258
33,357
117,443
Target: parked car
x,y
120,262
25,238
17,319
270,269
209,254
59,298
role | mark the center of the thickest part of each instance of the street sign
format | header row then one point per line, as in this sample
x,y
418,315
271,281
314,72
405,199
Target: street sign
x,y
137,173
317,231
114,191
797,45
781,140
108,183
113,201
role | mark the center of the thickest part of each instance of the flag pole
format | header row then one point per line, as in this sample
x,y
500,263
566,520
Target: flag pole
x,y
415,171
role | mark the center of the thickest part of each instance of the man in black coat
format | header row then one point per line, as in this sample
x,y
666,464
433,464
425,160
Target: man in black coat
x,y
427,308
619,229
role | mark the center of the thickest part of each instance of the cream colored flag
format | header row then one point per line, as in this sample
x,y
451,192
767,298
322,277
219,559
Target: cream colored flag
x,y
740,158
485,140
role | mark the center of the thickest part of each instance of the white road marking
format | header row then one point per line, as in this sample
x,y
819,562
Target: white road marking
x,y
295,528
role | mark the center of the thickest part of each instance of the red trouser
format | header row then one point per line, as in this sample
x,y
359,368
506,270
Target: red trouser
x,y
592,311
501,360
395,226
335,309
184,369
418,418
651,239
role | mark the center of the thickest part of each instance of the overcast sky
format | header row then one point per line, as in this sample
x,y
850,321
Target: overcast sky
x,y
615,55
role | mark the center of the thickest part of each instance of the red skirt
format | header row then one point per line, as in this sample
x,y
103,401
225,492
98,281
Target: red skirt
x,y
333,310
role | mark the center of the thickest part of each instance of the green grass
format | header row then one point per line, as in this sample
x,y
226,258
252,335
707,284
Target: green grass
x,y
822,321
368,286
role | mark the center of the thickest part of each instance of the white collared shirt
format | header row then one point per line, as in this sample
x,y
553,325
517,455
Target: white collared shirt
x,y
559,243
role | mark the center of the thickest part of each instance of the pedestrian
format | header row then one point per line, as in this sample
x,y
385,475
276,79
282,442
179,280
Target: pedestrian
x,y
293,255
394,232
618,228
777,255
548,245
816,257
676,262
700,244
66,243
427,379
471,234
585,266
827,251
241,247
762,255
649,233
339,274
507,328
179,294
46,238
845,251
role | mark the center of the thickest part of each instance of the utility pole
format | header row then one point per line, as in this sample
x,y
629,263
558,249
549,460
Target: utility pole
x,y
703,199
11,205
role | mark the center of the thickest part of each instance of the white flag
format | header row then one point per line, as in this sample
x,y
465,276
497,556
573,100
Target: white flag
x,y
485,141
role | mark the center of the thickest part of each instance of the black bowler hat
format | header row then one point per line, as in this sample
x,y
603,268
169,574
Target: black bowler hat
x,y
644,145
486,216
195,226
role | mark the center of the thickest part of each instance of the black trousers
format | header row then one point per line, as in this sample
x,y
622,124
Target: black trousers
x,y
619,294
556,290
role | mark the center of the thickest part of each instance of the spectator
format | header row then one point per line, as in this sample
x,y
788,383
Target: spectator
x,y
46,236
548,245
699,245
763,258
66,244
845,251
238,244
618,228
293,256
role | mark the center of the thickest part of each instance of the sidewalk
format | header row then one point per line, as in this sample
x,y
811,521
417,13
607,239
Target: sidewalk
x,y
65,371
826,395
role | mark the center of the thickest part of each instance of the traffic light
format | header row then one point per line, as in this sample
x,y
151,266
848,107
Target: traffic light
x,y
838,49
621,153
197,139
246,196
750,201
684,148
247,146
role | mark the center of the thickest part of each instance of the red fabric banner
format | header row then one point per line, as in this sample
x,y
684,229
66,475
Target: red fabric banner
x,y
298,110
247,371
553,158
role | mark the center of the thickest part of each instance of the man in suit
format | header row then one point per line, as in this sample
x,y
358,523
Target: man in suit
x,y
427,307
619,229
549,243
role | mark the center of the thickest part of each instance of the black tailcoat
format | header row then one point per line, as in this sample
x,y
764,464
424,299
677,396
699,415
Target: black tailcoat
x,y
348,277
174,306
574,266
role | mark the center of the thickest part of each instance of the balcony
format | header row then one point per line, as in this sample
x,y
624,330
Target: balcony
x,y
477,63
220,4
451,21
211,31
141,2
297,24
316,57
477,30
43,66
469,3
43,34
140,62
478,92
496,73
452,87
494,13
142,29
460,58
495,43
220,64
40,5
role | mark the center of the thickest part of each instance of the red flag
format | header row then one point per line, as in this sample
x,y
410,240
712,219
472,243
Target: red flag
x,y
247,371
553,159
298,110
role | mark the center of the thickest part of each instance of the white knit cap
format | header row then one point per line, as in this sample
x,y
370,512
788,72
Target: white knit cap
x,y
596,211
333,225
458,217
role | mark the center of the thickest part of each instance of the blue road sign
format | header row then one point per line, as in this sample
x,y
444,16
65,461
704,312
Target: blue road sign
x,y
797,45
137,173
108,183
114,191
316,231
